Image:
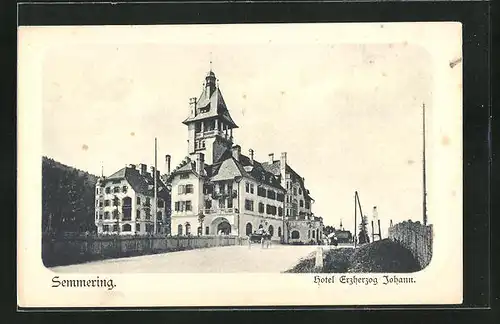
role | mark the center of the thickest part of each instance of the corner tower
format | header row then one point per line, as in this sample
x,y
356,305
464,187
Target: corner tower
x,y
210,127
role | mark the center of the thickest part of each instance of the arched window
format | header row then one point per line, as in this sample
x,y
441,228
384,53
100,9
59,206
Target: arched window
x,y
309,234
179,229
271,230
248,229
188,229
279,231
127,228
260,226
295,235
314,234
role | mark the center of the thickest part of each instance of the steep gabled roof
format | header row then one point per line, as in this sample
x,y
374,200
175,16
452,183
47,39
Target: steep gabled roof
x,y
208,107
142,184
275,168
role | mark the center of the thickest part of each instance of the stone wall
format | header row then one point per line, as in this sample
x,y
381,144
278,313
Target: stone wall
x,y
415,237
79,249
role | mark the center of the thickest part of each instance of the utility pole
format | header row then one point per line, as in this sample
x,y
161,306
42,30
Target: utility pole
x,y
155,194
423,162
355,218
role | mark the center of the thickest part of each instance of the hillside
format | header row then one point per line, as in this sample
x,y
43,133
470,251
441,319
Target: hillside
x,y
382,256
67,198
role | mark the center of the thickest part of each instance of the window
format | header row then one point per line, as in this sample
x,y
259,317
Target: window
x,y
295,191
261,192
179,229
96,215
271,194
280,211
279,231
116,201
188,229
314,234
247,187
280,197
300,191
138,227
189,188
101,203
177,206
127,228
159,216
222,202
106,215
248,229
295,235
207,230
287,185
105,228
308,204
138,214
271,230
188,206
115,228
270,210
106,202
124,189
287,212
116,189
108,190
138,200
185,176
160,203
301,203
229,202
208,203
249,204
251,188
115,214
100,215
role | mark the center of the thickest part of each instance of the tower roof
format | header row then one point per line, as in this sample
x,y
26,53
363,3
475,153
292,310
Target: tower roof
x,y
210,105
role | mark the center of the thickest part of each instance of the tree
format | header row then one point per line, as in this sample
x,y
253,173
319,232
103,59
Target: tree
x,y
201,218
327,230
363,236
68,198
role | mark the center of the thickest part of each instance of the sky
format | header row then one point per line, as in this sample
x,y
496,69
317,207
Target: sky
x,y
349,116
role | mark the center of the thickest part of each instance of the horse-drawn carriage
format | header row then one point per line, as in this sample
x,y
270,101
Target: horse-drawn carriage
x,y
262,238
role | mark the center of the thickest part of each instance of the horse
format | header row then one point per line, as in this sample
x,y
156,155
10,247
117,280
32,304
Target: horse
x,y
263,238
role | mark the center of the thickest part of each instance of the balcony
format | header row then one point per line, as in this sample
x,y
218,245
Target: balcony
x,y
212,133
212,211
225,194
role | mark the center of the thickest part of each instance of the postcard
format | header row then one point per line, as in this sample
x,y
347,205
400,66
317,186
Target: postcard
x,y
240,165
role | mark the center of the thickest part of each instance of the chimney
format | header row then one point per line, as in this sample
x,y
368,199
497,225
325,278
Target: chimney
x,y
167,164
192,106
271,158
283,159
152,168
143,168
236,152
200,163
250,154
131,166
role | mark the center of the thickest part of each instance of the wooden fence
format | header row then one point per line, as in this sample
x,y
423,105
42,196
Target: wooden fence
x,y
79,249
416,237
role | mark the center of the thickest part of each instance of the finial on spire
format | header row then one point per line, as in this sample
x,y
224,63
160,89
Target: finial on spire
x,y
210,61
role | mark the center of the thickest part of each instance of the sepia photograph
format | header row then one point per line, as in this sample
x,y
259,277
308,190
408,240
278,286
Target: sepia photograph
x,y
292,157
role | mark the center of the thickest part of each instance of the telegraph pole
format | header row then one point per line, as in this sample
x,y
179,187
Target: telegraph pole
x,y
155,193
423,163
355,218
